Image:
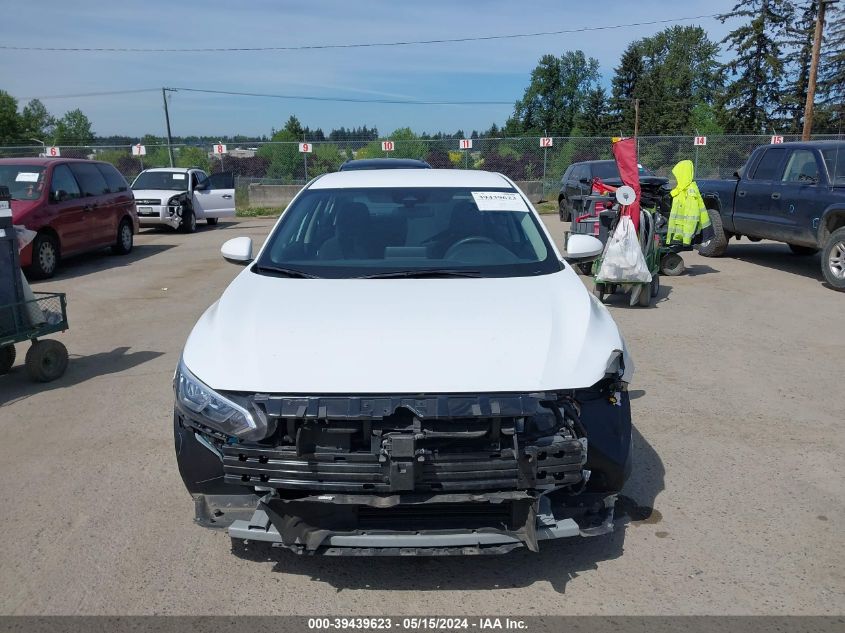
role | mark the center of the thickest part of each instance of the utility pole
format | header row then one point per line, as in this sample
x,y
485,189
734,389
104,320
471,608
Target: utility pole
x,y
814,69
167,120
636,118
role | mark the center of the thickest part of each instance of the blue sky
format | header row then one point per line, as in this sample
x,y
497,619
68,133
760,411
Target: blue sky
x,y
471,71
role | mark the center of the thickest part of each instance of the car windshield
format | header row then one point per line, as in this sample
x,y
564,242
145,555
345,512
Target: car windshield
x,y
169,180
834,158
348,233
25,182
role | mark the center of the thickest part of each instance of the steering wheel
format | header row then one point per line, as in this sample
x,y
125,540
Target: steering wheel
x,y
472,239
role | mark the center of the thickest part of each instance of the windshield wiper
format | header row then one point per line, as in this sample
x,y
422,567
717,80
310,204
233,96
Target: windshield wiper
x,y
284,272
424,272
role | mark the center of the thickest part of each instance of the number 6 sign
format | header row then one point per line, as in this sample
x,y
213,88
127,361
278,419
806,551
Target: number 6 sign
x,y
387,146
52,151
305,148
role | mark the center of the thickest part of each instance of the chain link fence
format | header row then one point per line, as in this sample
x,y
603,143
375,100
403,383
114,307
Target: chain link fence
x,y
523,159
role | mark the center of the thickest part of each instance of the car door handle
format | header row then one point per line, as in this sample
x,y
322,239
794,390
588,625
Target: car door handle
x,y
227,196
776,196
740,194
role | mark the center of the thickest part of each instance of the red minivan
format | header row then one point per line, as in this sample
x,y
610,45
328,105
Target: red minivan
x,y
74,205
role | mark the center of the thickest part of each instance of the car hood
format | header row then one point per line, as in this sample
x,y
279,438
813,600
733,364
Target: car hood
x,y
155,194
322,336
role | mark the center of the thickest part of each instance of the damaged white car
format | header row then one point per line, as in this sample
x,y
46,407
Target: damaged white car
x,y
408,366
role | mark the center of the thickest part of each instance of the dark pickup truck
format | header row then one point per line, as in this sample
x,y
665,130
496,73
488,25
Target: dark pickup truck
x,y
792,193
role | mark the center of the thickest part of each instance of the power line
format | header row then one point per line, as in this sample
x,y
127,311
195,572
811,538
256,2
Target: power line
x,y
339,99
247,49
94,94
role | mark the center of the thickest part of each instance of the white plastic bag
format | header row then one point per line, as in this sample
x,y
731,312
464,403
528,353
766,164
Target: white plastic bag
x,y
623,259
24,235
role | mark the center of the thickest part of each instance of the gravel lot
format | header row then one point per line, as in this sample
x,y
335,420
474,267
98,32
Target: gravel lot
x,y
734,506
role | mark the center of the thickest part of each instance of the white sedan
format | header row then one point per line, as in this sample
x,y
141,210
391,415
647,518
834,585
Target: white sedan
x,y
408,366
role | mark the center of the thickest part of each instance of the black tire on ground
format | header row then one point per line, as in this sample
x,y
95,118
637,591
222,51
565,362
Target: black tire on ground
x,y
718,244
45,257
672,265
46,360
189,220
802,251
586,268
833,260
125,238
599,290
655,285
563,211
7,358
212,221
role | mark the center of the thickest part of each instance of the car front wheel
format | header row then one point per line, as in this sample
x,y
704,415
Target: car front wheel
x,y
189,220
833,259
45,256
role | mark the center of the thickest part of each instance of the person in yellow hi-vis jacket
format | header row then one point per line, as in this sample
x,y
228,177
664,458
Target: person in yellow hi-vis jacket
x,y
689,216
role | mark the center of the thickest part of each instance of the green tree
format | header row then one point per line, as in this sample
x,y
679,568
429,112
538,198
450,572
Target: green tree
x,y
294,127
286,163
555,95
832,67
36,121
10,123
192,157
752,96
73,128
593,118
799,31
669,73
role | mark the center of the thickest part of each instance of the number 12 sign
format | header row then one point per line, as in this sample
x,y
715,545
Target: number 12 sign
x,y
546,141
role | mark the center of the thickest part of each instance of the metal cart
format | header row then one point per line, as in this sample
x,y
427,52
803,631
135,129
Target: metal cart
x,y
46,359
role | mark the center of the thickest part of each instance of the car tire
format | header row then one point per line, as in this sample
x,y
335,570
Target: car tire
x,y
718,244
833,260
212,221
655,285
563,211
46,360
802,251
599,291
7,358
125,238
189,220
672,265
586,268
45,256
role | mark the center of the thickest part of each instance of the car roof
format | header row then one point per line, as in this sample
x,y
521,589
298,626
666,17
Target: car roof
x,y
384,163
172,169
44,160
811,144
400,178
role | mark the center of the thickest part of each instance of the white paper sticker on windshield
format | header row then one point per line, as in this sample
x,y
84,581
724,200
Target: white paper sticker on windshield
x,y
178,176
27,176
499,201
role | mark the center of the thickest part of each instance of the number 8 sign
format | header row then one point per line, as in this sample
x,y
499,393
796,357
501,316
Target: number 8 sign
x,y
220,149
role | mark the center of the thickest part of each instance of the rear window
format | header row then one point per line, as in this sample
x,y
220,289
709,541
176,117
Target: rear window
x,y
90,179
25,182
113,178
605,170
834,158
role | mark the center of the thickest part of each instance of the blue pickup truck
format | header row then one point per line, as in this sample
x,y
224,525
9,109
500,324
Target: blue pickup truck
x,y
792,193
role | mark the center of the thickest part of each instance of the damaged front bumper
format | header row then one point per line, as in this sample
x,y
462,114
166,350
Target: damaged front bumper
x,y
412,475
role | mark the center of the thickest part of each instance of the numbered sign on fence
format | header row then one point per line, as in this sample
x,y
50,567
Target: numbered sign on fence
x,y
52,151
219,149
139,150
777,140
305,148
387,146
465,143
700,140
546,141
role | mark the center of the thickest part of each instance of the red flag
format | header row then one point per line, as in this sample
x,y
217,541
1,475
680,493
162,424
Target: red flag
x,y
625,153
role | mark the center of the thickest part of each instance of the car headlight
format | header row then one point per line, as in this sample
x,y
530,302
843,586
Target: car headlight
x,y
173,204
214,410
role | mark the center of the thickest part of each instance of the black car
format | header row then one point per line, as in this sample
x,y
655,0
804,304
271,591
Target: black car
x,y
578,177
384,163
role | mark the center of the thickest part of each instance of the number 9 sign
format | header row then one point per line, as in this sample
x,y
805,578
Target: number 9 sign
x,y
305,148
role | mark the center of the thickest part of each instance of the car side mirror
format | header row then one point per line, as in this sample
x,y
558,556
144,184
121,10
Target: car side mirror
x,y
582,248
238,250
737,175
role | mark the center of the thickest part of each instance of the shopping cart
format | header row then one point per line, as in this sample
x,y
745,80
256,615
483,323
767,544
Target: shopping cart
x,y
46,359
